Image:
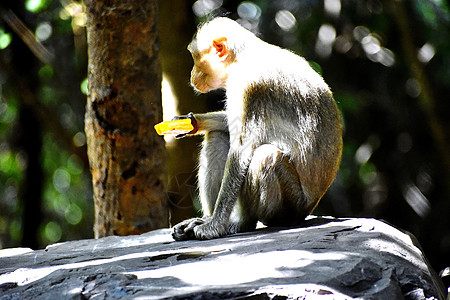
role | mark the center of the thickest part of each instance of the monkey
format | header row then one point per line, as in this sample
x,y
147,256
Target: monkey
x,y
274,150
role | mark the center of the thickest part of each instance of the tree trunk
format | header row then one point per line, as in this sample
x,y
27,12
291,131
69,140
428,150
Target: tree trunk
x,y
126,156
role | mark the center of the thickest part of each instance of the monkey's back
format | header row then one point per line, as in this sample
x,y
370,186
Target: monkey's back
x,y
290,106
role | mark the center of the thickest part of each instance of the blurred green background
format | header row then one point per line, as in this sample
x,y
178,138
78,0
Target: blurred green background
x,y
387,62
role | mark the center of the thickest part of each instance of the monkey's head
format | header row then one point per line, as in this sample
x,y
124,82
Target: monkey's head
x,y
216,46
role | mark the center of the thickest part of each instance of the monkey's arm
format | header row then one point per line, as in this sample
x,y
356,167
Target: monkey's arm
x,y
204,123
212,121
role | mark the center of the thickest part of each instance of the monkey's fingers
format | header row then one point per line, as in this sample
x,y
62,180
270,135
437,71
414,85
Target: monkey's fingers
x,y
183,117
194,223
184,230
189,116
178,233
180,136
209,230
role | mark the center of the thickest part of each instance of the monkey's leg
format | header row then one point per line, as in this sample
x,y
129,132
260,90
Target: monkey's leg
x,y
272,192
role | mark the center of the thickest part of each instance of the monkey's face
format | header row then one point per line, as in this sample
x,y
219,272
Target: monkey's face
x,y
210,68
209,71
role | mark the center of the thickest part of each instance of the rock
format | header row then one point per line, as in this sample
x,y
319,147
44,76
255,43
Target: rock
x,y
325,258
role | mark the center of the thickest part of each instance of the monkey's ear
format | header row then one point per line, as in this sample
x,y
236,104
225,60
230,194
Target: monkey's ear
x,y
221,47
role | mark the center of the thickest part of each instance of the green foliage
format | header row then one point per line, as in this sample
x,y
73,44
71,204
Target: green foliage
x,y
67,195
84,86
11,175
36,6
5,39
46,73
316,67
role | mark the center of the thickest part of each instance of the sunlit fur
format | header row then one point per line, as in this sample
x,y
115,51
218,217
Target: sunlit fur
x,y
275,150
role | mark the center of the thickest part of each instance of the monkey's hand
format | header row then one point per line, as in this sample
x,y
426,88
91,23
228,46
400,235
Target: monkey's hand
x,y
193,122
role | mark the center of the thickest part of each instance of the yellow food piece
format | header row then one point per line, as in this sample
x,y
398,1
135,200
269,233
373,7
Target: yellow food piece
x,y
174,127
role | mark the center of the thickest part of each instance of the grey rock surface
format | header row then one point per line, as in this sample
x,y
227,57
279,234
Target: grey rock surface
x,y
325,258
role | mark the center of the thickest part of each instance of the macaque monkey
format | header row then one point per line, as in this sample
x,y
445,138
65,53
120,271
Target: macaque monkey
x,y
275,149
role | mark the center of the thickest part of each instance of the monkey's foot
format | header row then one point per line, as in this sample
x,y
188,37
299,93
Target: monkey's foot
x,y
198,228
210,230
185,230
